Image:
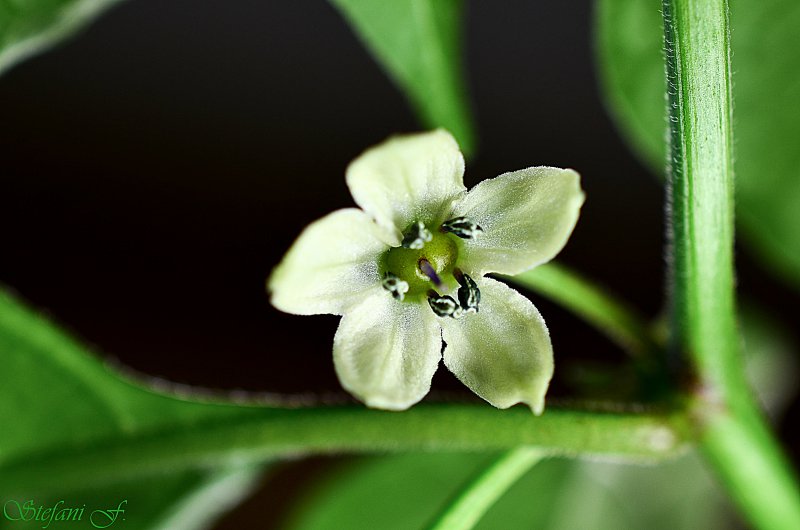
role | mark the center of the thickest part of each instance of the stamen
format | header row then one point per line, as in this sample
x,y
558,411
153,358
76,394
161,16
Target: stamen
x,y
462,227
444,306
428,270
395,285
416,236
469,296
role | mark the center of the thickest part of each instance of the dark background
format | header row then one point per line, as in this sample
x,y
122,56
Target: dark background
x,y
155,168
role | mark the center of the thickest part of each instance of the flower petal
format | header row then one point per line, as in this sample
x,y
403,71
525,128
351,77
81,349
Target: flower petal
x,y
503,352
386,352
526,217
331,266
408,178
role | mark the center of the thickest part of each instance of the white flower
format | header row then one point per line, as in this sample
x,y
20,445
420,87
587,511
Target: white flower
x,y
407,272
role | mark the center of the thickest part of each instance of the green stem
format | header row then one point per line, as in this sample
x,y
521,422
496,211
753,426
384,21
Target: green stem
x,y
597,306
732,430
487,488
256,434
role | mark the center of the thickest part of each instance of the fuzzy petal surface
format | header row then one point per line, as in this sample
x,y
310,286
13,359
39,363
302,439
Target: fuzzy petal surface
x,y
503,352
526,217
332,265
386,352
408,178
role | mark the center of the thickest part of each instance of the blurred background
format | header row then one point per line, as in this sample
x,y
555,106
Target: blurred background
x,y
156,167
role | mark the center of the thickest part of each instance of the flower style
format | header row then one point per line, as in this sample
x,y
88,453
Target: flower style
x,y
407,273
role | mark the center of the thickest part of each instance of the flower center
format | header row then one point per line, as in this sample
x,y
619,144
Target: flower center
x,y
425,266
423,263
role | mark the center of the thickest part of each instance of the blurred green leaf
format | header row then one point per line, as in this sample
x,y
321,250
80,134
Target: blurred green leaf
x,y
771,358
61,396
766,72
28,27
401,492
418,43
55,395
191,500
407,492
470,506
563,495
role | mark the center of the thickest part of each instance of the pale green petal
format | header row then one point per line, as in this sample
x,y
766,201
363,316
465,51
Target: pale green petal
x,y
408,178
503,352
331,266
526,217
386,352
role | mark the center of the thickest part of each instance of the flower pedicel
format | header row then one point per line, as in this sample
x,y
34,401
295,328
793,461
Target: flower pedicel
x,y
406,272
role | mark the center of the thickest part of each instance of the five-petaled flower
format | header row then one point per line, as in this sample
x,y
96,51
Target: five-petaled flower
x,y
406,272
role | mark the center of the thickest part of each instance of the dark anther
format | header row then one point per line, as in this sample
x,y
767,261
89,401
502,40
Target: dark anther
x,y
416,236
462,227
469,296
444,306
395,285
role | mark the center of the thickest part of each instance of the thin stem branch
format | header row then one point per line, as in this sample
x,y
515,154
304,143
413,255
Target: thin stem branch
x,y
732,430
481,494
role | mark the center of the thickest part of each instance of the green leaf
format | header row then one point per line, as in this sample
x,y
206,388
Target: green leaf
x,y
408,491
59,397
191,500
483,492
399,492
765,59
28,27
771,358
418,43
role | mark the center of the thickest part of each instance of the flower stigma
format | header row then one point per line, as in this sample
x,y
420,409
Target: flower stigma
x,y
428,270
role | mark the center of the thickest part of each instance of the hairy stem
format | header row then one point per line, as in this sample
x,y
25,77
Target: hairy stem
x,y
259,433
731,428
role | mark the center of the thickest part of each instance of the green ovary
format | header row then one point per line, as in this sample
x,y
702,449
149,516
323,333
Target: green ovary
x,y
441,252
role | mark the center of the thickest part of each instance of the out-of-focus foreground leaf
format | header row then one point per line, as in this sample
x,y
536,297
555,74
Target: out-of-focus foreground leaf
x,y
28,27
401,492
408,491
53,394
418,43
189,500
765,42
